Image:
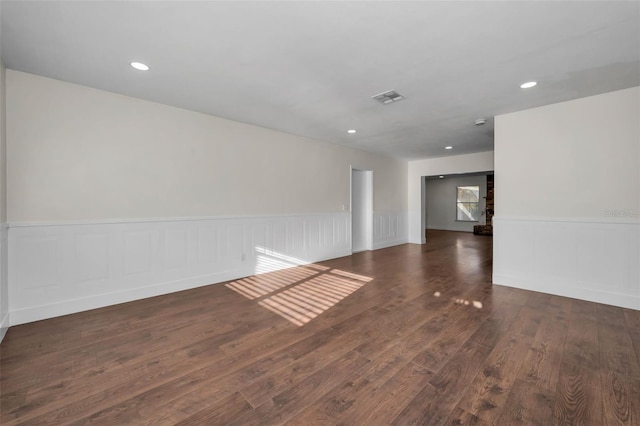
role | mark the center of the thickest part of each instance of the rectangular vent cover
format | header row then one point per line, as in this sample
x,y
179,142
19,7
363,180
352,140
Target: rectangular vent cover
x,y
386,98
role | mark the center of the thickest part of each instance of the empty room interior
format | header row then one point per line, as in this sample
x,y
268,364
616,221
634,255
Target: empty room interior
x,y
319,213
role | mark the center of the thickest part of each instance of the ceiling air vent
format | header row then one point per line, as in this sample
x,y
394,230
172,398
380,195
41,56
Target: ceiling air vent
x,y
388,97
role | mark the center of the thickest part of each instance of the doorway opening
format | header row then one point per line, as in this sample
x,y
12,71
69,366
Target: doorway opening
x,y
361,210
458,202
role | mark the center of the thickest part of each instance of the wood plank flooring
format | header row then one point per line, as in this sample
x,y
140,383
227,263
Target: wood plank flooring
x,y
405,335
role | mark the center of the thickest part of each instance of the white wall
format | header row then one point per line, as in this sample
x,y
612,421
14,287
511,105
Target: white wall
x,y
440,202
470,163
4,286
567,180
4,283
112,198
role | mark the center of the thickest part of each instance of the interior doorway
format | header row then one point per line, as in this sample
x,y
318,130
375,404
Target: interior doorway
x,y
361,210
461,202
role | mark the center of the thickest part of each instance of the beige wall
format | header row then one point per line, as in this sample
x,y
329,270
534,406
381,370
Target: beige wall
x,y
576,159
77,153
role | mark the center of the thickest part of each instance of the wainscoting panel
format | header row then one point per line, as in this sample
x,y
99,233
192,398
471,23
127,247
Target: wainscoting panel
x,y
4,285
58,269
389,229
590,260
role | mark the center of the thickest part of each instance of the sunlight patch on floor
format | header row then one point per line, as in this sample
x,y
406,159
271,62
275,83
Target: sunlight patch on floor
x,y
301,293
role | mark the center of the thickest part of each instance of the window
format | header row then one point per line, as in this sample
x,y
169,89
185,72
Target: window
x,y
468,200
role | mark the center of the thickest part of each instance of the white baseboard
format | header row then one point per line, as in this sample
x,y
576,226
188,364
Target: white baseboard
x,y
622,300
577,258
385,244
4,326
62,269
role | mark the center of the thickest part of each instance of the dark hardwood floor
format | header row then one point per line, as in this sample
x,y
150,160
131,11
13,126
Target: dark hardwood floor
x,y
406,335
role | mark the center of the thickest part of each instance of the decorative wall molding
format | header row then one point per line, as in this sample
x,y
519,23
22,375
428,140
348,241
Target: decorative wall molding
x,y
157,219
629,219
389,229
577,258
58,269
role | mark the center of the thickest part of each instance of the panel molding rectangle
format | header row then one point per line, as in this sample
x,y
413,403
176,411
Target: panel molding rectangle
x,y
390,228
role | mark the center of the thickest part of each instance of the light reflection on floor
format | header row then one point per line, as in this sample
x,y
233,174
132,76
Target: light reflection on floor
x,y
301,293
459,301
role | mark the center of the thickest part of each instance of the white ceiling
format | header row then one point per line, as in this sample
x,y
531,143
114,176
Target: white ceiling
x,y
310,68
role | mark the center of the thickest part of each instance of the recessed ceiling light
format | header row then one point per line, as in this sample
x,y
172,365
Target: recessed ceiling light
x,y
352,131
448,147
528,84
140,66
441,177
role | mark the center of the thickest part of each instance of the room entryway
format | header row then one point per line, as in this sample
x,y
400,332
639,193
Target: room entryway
x,y
459,202
361,210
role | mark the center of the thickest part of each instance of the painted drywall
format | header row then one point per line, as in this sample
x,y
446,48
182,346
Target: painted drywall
x,y
440,202
4,283
3,147
4,286
77,153
567,180
112,199
469,163
576,159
